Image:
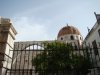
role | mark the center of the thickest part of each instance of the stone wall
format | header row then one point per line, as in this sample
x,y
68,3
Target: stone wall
x,y
7,37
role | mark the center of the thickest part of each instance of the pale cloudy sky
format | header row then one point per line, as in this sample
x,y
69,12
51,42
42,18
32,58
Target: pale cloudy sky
x,y
42,19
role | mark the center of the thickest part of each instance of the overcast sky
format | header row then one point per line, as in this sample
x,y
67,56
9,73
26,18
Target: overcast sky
x,y
42,19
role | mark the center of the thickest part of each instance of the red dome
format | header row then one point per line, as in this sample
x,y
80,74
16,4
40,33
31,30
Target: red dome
x,y
68,30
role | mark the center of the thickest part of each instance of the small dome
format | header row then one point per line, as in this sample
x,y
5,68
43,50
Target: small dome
x,y
68,30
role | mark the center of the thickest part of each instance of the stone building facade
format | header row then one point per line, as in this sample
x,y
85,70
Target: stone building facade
x,y
7,37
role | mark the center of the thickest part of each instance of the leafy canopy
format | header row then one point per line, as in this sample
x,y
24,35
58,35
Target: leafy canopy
x,y
62,58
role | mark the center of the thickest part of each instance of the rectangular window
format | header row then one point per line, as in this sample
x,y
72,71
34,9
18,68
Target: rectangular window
x,y
94,44
99,32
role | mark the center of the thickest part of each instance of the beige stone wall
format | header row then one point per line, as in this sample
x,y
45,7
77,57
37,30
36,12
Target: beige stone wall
x,y
3,38
7,37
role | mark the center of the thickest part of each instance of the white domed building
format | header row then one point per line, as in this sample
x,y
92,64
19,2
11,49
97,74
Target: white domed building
x,y
70,34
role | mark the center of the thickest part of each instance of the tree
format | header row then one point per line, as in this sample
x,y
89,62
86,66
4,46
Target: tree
x,y
60,58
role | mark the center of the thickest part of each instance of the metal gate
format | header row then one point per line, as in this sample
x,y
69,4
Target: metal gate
x,y
22,62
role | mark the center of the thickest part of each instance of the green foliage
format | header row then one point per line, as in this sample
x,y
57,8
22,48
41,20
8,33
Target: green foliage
x,y
58,58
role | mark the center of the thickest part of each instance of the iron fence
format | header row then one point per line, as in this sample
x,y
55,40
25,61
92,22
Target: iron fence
x,y
22,62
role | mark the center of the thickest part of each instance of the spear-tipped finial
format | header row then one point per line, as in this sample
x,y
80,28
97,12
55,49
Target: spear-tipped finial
x,y
88,29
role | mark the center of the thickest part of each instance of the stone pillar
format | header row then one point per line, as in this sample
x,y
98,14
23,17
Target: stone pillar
x,y
7,37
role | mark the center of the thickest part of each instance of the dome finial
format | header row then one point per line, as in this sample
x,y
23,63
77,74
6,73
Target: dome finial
x,y
67,24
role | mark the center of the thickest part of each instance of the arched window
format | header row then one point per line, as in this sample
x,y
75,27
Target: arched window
x,y
99,32
61,38
94,44
35,47
72,37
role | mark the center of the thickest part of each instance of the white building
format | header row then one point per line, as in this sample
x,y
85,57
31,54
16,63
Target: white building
x,y
92,40
93,37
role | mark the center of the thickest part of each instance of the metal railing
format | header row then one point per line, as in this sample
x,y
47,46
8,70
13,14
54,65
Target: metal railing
x,y
22,62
